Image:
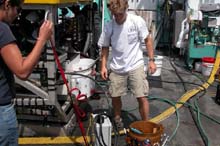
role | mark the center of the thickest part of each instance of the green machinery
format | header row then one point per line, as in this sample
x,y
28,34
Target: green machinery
x,y
203,39
200,30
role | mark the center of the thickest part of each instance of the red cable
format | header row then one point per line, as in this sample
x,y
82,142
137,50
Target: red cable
x,y
79,112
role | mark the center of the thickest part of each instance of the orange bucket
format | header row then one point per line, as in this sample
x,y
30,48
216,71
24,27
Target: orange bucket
x,y
146,131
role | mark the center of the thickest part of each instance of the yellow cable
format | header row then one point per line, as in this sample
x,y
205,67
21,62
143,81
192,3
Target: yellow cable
x,y
52,140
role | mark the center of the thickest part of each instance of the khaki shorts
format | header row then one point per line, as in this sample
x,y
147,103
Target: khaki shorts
x,y
134,80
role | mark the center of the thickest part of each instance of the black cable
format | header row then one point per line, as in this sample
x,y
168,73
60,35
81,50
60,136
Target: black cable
x,y
116,132
196,120
201,131
96,133
194,74
100,130
99,117
114,129
178,82
113,124
73,73
181,79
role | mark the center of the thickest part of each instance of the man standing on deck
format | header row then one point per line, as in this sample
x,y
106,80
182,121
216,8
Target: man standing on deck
x,y
124,33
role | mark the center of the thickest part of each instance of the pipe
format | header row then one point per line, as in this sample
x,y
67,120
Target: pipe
x,y
184,30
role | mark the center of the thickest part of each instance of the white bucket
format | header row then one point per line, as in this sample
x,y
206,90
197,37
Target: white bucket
x,y
159,63
198,66
207,68
85,67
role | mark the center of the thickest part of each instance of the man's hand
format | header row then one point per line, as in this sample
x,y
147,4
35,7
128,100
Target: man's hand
x,y
152,67
104,73
104,57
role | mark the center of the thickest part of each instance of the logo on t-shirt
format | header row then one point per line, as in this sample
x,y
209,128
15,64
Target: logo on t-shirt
x,y
132,29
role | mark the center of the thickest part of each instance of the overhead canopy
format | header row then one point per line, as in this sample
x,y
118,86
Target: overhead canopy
x,y
55,1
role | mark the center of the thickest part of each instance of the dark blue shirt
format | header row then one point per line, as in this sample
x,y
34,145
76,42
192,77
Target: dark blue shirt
x,y
7,90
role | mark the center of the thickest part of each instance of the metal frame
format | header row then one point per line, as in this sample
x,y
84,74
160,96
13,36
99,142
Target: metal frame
x,y
43,103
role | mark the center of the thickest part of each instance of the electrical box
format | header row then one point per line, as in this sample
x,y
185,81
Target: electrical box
x,y
106,130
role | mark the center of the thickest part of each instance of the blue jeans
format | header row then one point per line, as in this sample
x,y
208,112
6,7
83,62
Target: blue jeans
x,y
8,126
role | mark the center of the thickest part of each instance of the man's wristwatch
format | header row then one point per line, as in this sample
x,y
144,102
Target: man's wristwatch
x,y
151,59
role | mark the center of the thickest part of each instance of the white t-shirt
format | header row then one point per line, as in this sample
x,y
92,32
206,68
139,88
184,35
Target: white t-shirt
x,y
125,40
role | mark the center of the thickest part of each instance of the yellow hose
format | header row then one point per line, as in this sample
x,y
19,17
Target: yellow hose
x,y
52,140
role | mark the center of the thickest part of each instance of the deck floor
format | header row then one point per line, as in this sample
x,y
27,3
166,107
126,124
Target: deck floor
x,y
187,133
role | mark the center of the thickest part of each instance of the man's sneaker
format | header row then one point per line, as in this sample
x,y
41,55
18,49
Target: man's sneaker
x,y
118,123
